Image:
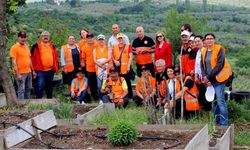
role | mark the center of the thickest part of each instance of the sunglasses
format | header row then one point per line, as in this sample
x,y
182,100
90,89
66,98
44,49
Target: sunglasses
x,y
159,36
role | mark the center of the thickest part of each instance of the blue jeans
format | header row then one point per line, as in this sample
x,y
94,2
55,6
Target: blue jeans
x,y
82,97
219,106
24,86
44,80
99,86
105,99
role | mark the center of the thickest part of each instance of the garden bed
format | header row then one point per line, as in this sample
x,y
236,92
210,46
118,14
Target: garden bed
x,y
16,117
151,137
80,109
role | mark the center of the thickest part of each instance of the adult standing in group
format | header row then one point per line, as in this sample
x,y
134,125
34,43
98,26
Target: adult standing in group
x,y
45,62
163,50
22,66
188,28
198,73
88,59
184,52
143,47
83,41
122,58
113,39
102,59
215,71
70,61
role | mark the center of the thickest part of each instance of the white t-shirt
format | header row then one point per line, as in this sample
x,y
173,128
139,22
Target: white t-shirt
x,y
197,69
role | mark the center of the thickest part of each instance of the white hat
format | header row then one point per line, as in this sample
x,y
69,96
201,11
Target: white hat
x,y
100,36
185,32
210,93
191,38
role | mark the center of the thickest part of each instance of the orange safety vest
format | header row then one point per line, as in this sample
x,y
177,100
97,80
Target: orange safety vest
x,y
124,58
117,89
99,54
68,58
76,80
145,88
87,55
191,97
226,71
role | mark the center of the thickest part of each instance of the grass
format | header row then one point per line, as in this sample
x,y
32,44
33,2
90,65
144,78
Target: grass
x,y
242,138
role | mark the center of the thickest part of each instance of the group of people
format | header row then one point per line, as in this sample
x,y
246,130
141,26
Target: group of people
x,y
103,69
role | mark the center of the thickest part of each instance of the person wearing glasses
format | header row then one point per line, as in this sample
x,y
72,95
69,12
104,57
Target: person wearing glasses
x,y
216,71
163,50
187,27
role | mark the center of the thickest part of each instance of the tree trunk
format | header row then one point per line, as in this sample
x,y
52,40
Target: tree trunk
x,y
5,79
177,2
204,4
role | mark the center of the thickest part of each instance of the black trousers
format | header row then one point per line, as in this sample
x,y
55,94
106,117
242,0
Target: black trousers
x,y
92,84
150,67
128,81
138,101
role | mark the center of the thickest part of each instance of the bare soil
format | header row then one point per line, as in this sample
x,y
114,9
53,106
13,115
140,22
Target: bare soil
x,y
80,109
16,117
218,134
90,138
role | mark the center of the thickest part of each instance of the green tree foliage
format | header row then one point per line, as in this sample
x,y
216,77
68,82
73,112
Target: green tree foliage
x,y
173,22
12,5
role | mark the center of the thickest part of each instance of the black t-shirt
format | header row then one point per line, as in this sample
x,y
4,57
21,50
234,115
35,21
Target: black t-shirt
x,y
189,83
160,77
145,42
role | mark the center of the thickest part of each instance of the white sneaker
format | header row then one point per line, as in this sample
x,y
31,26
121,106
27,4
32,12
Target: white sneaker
x,y
100,102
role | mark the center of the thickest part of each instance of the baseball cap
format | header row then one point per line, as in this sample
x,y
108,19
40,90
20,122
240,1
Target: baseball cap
x,y
113,70
22,34
210,93
185,32
119,35
100,37
90,35
191,38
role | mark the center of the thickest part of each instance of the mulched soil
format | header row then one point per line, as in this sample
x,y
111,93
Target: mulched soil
x,y
218,134
88,138
16,117
80,109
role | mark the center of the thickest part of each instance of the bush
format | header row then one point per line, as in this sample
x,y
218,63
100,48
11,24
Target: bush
x,y
237,111
122,134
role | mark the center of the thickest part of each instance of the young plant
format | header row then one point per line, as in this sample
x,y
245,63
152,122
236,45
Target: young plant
x,y
122,134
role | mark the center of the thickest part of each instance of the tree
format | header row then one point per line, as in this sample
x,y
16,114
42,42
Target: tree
x,y
6,6
204,4
5,79
187,4
73,3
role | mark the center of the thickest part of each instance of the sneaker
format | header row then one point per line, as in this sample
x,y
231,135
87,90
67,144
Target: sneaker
x,y
100,102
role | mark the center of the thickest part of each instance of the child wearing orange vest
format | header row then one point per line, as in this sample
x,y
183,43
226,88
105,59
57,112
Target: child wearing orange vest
x,y
79,87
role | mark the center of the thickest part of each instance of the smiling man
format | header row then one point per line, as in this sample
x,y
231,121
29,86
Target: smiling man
x,y
45,61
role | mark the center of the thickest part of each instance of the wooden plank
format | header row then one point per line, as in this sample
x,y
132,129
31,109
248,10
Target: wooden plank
x,y
200,141
1,139
13,136
232,137
45,120
3,101
224,142
39,101
87,117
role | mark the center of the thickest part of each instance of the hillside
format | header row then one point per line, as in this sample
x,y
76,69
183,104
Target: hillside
x,y
231,24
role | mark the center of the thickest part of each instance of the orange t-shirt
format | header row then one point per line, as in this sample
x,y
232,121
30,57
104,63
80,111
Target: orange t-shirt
x,y
87,56
22,55
46,57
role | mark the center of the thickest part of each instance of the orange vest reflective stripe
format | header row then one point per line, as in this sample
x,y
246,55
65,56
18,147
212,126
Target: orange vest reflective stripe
x,y
117,89
102,54
76,89
68,58
191,97
226,71
124,58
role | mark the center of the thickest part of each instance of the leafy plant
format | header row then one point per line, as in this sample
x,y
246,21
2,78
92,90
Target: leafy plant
x,y
122,134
